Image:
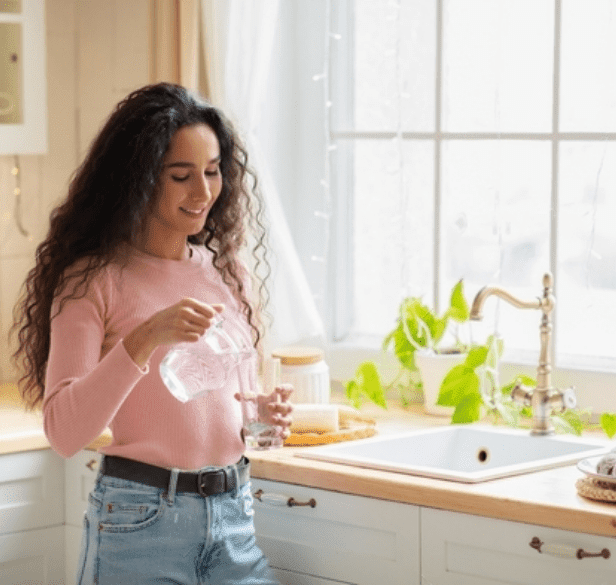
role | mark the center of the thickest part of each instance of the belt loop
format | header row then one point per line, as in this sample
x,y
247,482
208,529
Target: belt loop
x,y
236,471
101,469
173,481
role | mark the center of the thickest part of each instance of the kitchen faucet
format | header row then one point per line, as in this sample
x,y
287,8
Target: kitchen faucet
x,y
543,399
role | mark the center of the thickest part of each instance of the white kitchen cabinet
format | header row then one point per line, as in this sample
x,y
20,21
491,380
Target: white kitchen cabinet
x,y
80,474
31,490
460,549
31,518
341,538
33,557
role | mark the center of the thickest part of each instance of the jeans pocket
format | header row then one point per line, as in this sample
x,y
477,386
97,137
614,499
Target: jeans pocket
x,y
129,510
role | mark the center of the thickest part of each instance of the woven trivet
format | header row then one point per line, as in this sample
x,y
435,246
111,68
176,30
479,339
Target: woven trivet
x,y
595,489
352,425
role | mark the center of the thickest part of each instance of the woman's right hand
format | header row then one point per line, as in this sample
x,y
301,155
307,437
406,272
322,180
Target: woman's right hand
x,y
185,321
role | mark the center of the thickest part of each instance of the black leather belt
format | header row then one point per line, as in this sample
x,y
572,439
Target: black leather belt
x,y
205,483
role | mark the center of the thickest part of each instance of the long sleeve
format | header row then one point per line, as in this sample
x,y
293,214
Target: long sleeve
x,y
83,392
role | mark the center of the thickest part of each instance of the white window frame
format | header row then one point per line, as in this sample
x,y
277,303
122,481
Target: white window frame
x,y
594,386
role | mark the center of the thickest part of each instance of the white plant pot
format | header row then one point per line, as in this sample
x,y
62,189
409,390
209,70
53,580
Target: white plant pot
x,y
433,367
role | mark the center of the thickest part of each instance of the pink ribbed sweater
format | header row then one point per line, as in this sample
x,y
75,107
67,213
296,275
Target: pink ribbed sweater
x,y
92,383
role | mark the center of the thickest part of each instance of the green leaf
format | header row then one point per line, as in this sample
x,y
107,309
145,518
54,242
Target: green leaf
x,y
476,356
403,350
489,384
561,424
576,420
353,394
526,412
608,423
459,381
508,412
495,347
468,410
366,383
525,380
458,309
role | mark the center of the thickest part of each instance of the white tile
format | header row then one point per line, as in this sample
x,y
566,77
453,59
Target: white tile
x,y
13,273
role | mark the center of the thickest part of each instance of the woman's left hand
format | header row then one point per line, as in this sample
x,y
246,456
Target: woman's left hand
x,y
279,407
274,408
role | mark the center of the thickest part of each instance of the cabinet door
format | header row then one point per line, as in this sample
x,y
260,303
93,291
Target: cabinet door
x,y
80,474
34,557
344,538
81,471
460,549
31,490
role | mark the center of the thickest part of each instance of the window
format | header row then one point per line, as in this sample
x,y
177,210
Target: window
x,y
476,139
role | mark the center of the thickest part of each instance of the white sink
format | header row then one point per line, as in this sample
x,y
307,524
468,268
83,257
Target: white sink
x,y
466,454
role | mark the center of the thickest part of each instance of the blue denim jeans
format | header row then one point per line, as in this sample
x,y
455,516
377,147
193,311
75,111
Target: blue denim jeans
x,y
139,535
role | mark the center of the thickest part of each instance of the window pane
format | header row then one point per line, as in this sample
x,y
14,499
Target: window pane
x,y
588,66
587,250
495,227
394,65
497,65
393,224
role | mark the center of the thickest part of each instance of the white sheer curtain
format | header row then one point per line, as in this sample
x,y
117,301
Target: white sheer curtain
x,y
238,41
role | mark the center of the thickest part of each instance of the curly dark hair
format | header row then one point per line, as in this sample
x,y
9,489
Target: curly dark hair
x,y
108,198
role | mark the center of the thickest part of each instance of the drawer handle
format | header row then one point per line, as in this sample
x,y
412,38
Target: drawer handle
x,y
91,465
565,551
280,500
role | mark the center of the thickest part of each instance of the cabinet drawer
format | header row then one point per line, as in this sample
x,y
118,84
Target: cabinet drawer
x,y
81,472
34,557
459,549
343,538
31,490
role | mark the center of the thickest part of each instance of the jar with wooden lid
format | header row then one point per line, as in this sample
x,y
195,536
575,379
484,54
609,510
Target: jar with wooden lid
x,y
306,370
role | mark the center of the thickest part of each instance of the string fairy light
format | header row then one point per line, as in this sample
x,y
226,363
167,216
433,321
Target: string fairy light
x,y
325,213
16,172
16,214
398,140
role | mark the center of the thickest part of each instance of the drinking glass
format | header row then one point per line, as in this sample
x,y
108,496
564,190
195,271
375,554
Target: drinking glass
x,y
257,429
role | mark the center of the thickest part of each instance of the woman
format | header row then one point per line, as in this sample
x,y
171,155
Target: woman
x,y
141,255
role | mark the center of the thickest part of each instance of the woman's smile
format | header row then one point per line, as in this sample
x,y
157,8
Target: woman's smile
x,y
195,212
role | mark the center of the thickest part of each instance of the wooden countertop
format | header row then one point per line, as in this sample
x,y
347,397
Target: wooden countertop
x,y
547,498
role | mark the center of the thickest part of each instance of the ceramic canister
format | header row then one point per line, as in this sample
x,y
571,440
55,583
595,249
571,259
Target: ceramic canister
x,y
306,370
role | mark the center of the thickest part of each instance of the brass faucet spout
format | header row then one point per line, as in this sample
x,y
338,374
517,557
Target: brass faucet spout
x,y
488,291
543,398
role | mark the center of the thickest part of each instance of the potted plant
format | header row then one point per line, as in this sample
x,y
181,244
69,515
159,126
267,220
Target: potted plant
x,y
416,342
470,388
